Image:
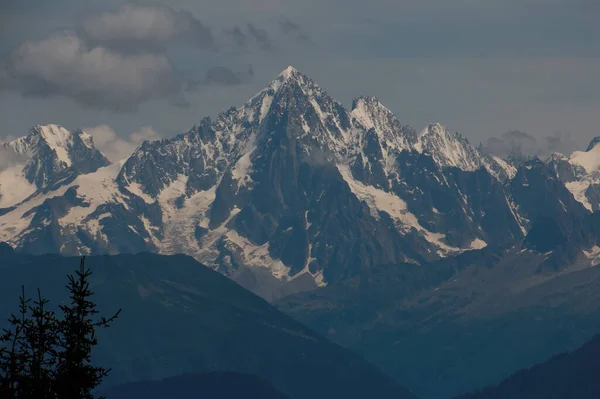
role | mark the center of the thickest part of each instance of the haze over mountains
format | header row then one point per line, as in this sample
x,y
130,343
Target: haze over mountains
x,y
422,253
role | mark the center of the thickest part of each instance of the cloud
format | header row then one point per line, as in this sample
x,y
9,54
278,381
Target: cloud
x,y
518,144
8,158
293,30
119,59
134,27
560,142
64,65
116,148
223,76
261,36
239,38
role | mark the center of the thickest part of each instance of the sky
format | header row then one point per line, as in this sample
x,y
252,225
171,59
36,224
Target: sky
x,y
501,72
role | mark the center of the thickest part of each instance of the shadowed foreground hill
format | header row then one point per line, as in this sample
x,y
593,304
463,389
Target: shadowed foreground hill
x,y
460,324
215,385
565,376
180,317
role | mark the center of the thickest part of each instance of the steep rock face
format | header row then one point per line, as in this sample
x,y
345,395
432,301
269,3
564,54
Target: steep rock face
x,y
501,169
447,149
563,169
548,210
581,174
538,193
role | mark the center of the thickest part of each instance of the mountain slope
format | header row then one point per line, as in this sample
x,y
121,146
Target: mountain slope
x,y
468,321
180,317
565,376
215,385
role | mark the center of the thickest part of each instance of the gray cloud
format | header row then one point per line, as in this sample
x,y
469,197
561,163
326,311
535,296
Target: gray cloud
x,y
517,143
222,76
250,39
261,37
293,30
64,65
562,142
135,27
401,51
238,36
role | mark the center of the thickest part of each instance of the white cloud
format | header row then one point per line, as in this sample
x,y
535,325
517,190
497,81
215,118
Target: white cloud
x,y
8,158
135,27
117,148
63,64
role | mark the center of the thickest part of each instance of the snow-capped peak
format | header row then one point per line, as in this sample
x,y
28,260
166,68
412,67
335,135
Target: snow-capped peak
x,y
288,72
58,138
447,149
370,113
54,154
433,129
257,107
55,137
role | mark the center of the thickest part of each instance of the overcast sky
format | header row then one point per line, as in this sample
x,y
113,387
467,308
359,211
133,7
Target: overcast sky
x,y
483,68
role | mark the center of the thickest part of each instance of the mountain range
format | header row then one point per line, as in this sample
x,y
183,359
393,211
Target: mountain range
x,y
412,248
287,193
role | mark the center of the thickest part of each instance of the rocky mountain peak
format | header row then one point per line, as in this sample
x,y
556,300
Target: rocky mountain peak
x,y
370,113
291,77
289,73
51,137
54,154
595,141
447,149
557,156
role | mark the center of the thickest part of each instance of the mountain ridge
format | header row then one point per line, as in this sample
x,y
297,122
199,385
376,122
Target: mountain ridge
x,y
179,316
282,192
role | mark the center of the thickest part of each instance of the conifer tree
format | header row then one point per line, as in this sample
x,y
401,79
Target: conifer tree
x,y
14,353
44,357
76,376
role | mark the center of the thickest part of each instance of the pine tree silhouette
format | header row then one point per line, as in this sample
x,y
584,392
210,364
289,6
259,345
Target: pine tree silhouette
x,y
14,352
76,376
44,357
